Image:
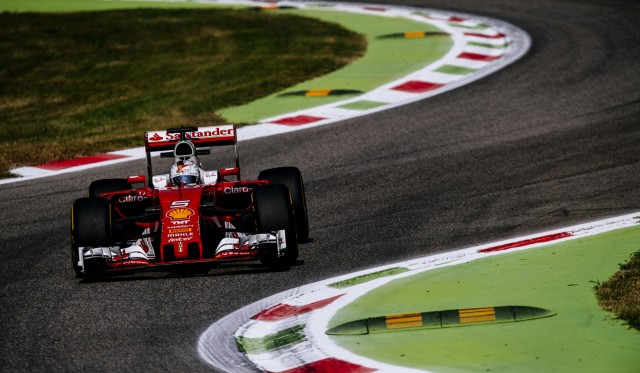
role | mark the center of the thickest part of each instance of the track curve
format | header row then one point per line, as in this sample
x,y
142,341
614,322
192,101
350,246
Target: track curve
x,y
550,141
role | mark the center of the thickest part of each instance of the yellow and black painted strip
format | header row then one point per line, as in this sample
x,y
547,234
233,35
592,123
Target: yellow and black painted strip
x,y
411,320
440,319
487,314
411,35
323,92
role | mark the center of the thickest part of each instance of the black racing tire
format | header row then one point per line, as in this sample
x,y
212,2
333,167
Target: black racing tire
x,y
292,179
91,222
96,188
273,212
90,226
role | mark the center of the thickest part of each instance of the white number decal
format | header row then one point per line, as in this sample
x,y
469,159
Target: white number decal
x,y
175,204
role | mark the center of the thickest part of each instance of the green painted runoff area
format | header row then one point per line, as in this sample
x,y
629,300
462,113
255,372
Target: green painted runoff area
x,y
560,277
385,60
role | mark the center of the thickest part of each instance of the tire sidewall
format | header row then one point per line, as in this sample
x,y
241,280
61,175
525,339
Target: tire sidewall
x,y
292,179
273,212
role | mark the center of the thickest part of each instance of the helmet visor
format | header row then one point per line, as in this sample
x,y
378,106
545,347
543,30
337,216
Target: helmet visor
x,y
185,179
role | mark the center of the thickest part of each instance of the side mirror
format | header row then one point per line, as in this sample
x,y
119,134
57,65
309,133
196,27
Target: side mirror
x,y
137,179
229,171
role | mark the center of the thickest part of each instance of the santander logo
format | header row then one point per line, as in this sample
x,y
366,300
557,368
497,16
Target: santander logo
x,y
156,137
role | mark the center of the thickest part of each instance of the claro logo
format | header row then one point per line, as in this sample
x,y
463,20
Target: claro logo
x,y
130,198
234,190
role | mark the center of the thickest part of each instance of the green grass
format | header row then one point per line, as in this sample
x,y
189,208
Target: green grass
x,y
73,84
385,61
558,277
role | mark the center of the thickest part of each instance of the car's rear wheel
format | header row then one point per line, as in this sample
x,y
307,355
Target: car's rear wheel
x,y
273,212
292,179
96,188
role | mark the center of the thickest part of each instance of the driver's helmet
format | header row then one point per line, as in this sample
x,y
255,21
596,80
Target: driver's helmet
x,y
185,172
186,168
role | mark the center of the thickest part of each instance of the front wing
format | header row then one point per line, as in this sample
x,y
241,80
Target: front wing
x,y
141,254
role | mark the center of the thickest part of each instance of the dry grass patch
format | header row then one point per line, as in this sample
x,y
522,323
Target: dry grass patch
x,y
621,293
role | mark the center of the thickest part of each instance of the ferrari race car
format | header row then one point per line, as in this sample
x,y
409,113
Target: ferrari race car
x,y
190,215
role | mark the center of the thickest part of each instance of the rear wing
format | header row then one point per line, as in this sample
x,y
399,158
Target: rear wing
x,y
160,141
201,137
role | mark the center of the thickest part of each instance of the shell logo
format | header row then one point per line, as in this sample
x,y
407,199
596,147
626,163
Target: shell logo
x,y
181,213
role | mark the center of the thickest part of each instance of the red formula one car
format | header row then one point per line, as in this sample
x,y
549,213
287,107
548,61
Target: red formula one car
x,y
190,215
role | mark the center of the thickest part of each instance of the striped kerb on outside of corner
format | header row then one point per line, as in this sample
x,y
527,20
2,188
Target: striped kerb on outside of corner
x,y
357,280
362,105
298,120
282,341
61,165
478,57
417,86
498,35
330,365
283,311
282,338
479,26
531,241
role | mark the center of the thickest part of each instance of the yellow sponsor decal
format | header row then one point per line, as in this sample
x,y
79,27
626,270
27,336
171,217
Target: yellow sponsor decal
x,y
179,230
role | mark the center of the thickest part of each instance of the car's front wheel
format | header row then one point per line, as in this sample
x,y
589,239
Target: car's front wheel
x,y
273,212
90,226
292,179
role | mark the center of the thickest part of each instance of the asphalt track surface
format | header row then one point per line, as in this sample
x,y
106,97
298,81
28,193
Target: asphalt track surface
x,y
548,142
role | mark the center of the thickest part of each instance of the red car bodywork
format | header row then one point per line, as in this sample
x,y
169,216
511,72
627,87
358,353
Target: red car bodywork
x,y
184,223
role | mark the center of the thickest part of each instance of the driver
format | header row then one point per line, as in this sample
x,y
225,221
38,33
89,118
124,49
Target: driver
x,y
186,168
185,172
